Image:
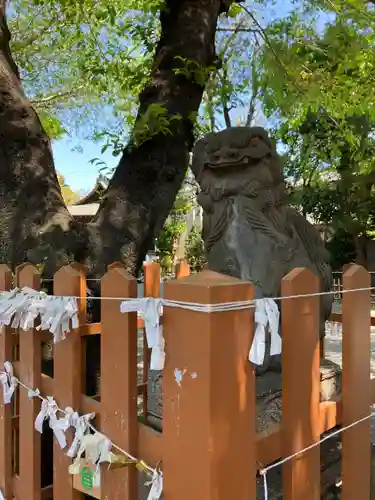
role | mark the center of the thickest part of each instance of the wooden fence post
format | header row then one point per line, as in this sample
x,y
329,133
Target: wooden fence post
x,y
300,385
151,289
356,385
82,316
152,279
119,418
182,269
208,392
30,375
68,281
6,434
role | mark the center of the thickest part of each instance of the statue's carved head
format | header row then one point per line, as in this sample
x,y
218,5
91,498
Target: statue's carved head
x,y
234,148
238,161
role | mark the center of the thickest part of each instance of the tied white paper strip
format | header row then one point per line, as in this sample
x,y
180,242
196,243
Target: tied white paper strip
x,y
58,315
97,449
31,394
48,412
156,485
266,314
2,497
150,309
20,308
9,383
82,427
100,442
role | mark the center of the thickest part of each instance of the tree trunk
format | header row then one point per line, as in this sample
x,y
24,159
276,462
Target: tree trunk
x,y
29,190
35,224
361,243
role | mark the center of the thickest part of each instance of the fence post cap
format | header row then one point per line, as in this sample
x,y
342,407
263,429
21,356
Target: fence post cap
x,y
347,266
26,266
4,268
207,279
353,269
115,265
299,273
151,263
117,268
79,267
68,269
28,274
208,287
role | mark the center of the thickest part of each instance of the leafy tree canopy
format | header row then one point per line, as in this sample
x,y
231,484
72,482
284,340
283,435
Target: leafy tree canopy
x,y
84,62
309,68
316,81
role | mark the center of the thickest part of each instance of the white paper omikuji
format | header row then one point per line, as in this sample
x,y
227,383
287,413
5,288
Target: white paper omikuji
x,y
58,315
48,412
266,314
20,308
156,486
9,383
96,448
81,425
150,309
2,497
157,358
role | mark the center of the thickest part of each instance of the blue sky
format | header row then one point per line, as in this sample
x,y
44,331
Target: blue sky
x,y
75,165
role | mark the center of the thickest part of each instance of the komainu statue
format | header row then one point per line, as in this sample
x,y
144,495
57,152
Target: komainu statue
x,y
250,233
248,230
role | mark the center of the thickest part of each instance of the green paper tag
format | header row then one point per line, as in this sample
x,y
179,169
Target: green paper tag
x,y
86,478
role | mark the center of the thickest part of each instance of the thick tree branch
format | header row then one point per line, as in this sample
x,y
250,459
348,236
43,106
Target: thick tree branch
x,y
254,95
35,36
251,110
224,101
37,101
4,42
144,186
228,122
30,198
34,221
238,30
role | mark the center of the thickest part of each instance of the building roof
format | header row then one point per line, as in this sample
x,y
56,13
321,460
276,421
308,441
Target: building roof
x,y
89,204
95,195
87,210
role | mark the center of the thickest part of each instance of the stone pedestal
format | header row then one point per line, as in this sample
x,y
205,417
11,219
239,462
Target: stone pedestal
x,y
269,411
268,388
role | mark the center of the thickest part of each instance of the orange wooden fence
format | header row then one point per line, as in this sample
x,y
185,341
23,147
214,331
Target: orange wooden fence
x,y
209,448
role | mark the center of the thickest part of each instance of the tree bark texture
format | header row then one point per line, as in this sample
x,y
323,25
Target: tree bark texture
x,y
35,224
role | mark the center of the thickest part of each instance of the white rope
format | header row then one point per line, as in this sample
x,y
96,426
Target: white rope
x,y
59,426
210,308
263,472
59,314
233,305
219,307
157,476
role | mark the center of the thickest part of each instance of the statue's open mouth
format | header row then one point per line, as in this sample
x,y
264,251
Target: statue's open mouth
x,y
227,164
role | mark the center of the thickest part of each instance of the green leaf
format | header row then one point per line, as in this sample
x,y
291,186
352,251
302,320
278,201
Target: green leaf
x,y
234,10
